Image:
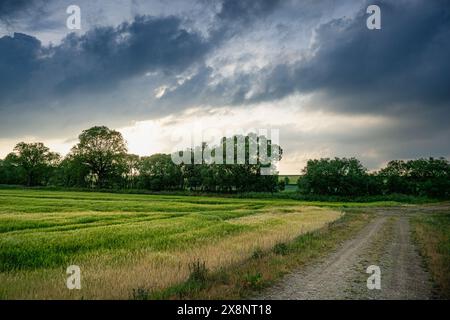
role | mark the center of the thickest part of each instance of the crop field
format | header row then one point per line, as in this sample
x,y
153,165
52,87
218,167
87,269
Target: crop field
x,y
123,243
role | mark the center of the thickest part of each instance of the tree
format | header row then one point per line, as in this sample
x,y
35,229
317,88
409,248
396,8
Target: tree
x,y
375,184
430,177
395,177
71,172
131,173
338,176
158,172
192,177
423,177
2,172
242,174
102,151
12,173
35,161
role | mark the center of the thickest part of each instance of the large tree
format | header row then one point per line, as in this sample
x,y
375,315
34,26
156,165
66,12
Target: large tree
x,y
10,173
338,176
429,177
243,171
35,161
158,172
103,152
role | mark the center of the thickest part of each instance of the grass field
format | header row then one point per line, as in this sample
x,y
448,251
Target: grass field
x,y
432,232
126,242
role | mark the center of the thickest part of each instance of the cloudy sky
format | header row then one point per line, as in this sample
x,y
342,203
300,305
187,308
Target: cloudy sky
x,y
160,70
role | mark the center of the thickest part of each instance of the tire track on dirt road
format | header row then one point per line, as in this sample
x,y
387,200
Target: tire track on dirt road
x,y
405,277
385,242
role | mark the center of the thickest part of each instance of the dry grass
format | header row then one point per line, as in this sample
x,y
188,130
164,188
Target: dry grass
x,y
106,276
432,232
248,278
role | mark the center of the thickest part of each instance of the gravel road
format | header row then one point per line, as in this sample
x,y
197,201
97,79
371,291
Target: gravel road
x,y
384,242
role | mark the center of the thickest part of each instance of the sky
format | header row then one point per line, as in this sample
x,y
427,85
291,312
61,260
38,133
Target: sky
x,y
158,71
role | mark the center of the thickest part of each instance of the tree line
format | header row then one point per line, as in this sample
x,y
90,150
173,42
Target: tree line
x,y
100,160
348,177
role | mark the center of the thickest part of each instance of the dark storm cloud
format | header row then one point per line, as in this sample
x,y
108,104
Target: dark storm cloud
x,y
87,75
18,60
83,79
108,55
402,67
406,62
246,10
400,72
98,60
10,10
12,7
105,56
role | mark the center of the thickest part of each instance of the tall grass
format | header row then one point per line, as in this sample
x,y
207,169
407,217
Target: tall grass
x,y
134,244
432,232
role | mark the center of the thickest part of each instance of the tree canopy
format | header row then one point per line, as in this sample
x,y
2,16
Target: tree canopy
x,y
338,176
31,163
241,164
102,151
347,177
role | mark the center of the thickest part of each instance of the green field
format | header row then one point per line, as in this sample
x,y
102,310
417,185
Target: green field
x,y
293,178
126,242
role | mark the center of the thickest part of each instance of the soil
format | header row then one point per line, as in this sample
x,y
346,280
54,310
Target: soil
x,y
385,242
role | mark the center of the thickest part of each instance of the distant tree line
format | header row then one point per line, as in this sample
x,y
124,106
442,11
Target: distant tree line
x,y
348,177
100,160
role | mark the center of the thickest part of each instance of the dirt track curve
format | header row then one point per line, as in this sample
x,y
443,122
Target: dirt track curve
x,y
384,242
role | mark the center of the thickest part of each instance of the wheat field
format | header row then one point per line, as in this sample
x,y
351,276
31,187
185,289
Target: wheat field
x,y
125,242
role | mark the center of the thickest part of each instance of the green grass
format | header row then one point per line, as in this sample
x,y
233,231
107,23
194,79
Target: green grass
x,y
264,268
113,236
292,193
141,245
432,232
47,229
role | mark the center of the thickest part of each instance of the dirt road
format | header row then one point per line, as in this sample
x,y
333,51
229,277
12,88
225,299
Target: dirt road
x,y
386,243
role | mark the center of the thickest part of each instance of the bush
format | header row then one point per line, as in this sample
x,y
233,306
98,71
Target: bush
x,y
258,253
281,249
198,272
253,281
141,294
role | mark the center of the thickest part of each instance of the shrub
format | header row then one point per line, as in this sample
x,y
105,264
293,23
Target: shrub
x,y
141,294
198,272
281,249
258,253
253,281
